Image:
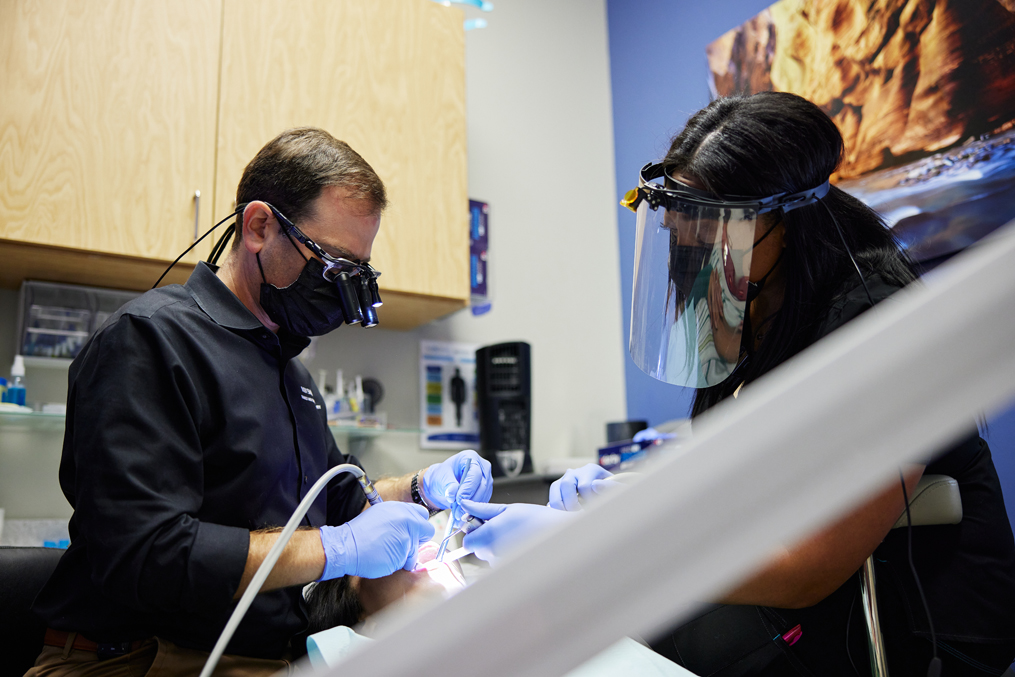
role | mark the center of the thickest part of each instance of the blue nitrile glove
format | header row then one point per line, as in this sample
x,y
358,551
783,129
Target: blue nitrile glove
x,y
651,435
583,484
508,526
463,476
379,541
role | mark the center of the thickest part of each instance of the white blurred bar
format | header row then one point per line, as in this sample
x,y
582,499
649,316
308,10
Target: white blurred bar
x,y
798,447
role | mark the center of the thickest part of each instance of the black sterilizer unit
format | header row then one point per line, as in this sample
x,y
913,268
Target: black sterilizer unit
x,y
504,393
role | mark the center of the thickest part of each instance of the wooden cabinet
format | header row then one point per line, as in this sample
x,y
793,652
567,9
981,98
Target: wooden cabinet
x,y
116,112
388,78
107,126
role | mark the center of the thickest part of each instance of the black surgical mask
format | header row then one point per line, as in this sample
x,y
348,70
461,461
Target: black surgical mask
x,y
686,265
310,306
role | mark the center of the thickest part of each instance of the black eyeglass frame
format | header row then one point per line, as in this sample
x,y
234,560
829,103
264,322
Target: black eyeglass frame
x,y
333,265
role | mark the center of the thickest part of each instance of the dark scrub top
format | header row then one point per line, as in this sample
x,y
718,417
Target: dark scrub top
x,y
189,424
967,572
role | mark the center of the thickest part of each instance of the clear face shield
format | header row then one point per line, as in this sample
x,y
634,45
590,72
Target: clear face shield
x,y
692,272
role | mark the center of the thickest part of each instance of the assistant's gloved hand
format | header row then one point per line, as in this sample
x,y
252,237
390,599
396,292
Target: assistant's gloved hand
x,y
651,435
463,476
508,526
585,482
379,541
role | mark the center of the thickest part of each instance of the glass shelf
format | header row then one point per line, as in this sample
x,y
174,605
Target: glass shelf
x,y
362,433
31,421
48,362
39,421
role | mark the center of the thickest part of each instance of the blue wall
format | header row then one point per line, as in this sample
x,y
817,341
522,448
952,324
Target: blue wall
x,y
658,71
1001,436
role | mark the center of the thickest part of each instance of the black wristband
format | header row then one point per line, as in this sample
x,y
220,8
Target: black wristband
x,y
417,497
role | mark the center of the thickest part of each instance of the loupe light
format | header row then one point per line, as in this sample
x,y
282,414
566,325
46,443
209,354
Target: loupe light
x,y
375,294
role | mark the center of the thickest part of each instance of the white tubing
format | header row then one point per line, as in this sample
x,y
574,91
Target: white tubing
x,y
269,561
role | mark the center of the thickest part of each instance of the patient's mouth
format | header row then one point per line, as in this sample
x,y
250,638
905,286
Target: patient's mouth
x,y
427,552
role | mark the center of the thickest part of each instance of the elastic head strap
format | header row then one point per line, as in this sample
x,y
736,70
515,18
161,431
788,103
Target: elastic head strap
x,y
785,201
259,267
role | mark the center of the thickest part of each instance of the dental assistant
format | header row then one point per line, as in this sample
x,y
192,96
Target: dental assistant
x,y
192,434
746,256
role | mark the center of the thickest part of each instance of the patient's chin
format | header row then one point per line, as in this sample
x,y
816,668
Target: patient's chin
x,y
448,576
409,588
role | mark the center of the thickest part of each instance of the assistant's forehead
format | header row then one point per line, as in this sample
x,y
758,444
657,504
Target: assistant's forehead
x,y
689,180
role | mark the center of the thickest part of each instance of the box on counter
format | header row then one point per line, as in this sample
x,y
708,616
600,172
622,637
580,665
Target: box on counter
x,y
624,455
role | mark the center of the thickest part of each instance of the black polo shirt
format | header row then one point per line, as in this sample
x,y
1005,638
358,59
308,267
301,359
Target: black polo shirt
x,y
189,424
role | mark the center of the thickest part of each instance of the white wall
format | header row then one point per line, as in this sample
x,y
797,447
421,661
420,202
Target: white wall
x,y
540,152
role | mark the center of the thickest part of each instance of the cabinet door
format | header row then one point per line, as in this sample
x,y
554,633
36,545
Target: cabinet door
x,y
387,77
107,122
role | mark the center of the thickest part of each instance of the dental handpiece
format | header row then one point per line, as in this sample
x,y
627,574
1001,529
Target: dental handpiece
x,y
469,524
368,489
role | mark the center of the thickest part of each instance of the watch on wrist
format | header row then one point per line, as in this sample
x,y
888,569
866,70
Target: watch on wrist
x,y
418,497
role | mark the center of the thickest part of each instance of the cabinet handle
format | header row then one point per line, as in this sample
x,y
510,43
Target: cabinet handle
x,y
197,214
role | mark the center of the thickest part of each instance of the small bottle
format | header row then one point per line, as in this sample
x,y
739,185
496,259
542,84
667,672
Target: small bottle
x,y
353,395
3,389
341,406
16,390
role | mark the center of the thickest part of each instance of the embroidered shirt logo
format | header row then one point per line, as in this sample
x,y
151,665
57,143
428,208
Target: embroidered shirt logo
x,y
308,395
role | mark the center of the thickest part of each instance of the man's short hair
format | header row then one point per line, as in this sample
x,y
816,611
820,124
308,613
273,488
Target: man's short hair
x,y
331,603
293,168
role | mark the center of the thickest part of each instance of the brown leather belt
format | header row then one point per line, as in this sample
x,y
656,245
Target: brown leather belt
x,y
59,639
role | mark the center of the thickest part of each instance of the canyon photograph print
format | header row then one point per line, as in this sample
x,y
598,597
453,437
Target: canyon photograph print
x,y
923,92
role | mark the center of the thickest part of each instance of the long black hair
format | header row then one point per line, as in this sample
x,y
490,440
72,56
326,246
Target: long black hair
x,y
771,143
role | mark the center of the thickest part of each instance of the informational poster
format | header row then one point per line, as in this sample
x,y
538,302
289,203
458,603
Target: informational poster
x,y
447,377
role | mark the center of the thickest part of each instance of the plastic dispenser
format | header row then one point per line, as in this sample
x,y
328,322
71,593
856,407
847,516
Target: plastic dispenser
x,y
16,389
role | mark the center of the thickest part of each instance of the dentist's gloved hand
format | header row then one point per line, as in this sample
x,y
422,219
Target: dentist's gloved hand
x,y
508,526
379,541
465,475
585,482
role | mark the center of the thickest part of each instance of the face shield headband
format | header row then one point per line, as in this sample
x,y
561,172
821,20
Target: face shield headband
x,y
355,282
692,276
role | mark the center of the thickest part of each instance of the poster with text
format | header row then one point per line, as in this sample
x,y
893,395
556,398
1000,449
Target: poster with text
x,y
447,376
